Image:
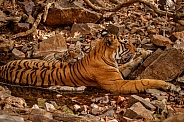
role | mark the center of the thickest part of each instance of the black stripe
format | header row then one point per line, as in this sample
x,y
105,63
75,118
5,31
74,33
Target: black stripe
x,y
136,87
83,65
49,79
27,79
53,79
64,68
57,76
124,83
74,68
35,82
42,75
107,62
80,72
61,79
20,78
73,81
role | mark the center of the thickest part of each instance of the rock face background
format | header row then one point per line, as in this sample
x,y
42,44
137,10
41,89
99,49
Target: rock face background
x,y
38,28
167,66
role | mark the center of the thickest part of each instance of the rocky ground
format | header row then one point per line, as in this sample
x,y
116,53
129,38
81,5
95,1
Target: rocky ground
x,y
37,28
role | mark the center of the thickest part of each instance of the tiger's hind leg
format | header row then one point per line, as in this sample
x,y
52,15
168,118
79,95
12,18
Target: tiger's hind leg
x,y
127,68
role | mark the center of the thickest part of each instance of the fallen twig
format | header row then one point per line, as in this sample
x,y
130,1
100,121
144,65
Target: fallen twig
x,y
46,9
36,23
127,3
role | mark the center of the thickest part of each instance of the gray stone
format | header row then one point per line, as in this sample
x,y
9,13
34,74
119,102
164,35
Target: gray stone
x,y
18,54
159,104
160,95
137,111
166,67
21,27
8,118
29,7
134,98
146,63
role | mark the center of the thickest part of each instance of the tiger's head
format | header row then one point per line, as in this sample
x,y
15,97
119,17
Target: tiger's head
x,y
123,48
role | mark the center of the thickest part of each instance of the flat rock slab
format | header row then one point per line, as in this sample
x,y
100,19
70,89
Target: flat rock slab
x,y
160,40
134,98
145,64
137,110
71,15
56,43
166,67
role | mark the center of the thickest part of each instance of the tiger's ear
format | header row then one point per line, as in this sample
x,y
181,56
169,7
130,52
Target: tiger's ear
x,y
104,33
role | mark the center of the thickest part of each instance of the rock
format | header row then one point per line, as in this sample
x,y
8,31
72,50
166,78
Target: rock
x,y
70,15
30,19
109,112
21,27
18,54
137,111
55,43
152,30
85,28
179,44
155,92
167,111
145,64
160,95
160,40
179,117
40,118
29,7
41,112
64,117
68,89
49,107
8,118
35,106
134,99
116,28
76,107
96,110
6,45
178,35
126,119
103,100
180,79
159,104
178,27
14,102
166,67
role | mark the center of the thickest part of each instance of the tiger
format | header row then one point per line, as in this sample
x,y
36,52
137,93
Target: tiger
x,y
98,68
